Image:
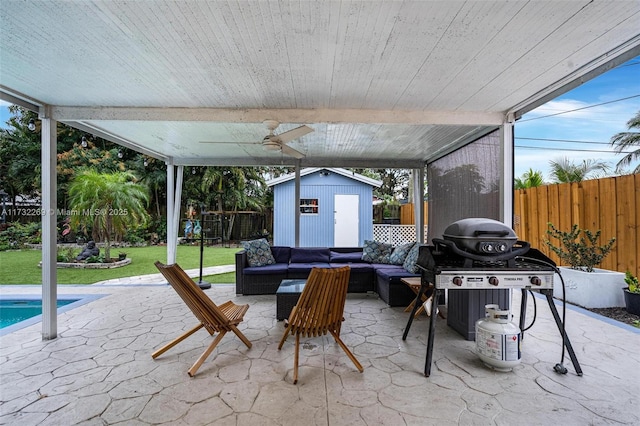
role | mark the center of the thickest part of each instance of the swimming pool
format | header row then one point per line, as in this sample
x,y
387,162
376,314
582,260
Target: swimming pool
x,y
15,310
19,311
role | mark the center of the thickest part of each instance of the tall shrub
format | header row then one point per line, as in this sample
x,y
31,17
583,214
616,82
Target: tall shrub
x,y
110,202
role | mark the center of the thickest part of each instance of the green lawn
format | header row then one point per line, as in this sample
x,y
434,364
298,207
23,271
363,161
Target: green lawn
x,y
21,266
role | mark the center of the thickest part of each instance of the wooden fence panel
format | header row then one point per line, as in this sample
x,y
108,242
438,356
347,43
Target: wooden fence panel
x,y
609,223
626,241
636,228
565,214
609,204
557,206
591,204
534,218
407,215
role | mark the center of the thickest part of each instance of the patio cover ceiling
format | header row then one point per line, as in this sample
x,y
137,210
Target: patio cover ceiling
x,y
382,83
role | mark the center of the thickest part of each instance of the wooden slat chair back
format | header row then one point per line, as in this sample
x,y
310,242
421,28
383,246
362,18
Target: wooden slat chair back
x,y
320,310
215,319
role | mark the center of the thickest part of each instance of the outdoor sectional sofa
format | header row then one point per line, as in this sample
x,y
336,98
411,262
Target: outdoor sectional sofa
x,y
296,263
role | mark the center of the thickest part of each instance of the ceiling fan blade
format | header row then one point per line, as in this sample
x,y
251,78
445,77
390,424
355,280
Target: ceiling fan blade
x,y
294,133
237,143
291,152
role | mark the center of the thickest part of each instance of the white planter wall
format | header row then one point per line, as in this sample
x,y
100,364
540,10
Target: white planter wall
x,y
598,289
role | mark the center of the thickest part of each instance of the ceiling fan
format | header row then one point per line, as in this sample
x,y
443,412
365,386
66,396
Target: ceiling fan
x,y
273,142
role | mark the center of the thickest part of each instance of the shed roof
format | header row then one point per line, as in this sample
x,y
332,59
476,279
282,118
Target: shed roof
x,y
382,83
310,170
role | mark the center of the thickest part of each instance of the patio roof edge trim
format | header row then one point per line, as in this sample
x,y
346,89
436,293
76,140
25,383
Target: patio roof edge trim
x,y
594,68
17,98
315,162
89,128
258,115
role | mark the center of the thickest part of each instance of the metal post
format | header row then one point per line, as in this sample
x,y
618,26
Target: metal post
x,y
49,232
202,284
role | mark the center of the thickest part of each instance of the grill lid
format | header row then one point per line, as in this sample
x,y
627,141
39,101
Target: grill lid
x,y
481,235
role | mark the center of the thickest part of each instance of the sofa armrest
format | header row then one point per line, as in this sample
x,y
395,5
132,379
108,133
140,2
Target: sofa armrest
x,y
241,263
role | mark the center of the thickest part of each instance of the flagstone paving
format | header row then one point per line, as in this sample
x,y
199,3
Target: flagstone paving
x,y
99,369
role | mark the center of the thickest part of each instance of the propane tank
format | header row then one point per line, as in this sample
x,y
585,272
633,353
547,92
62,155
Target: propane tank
x,y
497,339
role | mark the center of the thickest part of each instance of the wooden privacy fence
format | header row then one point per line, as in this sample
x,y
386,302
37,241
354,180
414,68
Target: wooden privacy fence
x,y
609,204
406,214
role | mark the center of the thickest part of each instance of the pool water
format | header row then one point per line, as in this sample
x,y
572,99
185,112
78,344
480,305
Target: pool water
x,y
15,311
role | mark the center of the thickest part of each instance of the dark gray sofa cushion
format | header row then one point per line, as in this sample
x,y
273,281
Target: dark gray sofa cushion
x,y
281,253
310,255
390,288
276,268
354,266
306,267
353,257
392,271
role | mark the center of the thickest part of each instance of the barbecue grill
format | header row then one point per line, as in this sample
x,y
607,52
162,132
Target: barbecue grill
x,y
479,235
482,254
484,240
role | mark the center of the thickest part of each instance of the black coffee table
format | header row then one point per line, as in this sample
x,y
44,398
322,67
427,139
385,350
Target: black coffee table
x,y
287,296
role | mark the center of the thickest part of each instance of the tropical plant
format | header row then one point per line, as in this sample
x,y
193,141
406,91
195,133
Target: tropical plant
x,y
564,170
232,189
529,179
629,139
632,282
66,254
578,252
19,158
109,202
15,235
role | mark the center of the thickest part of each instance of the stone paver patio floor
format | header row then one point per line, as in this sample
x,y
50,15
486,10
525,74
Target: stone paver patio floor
x,y
99,370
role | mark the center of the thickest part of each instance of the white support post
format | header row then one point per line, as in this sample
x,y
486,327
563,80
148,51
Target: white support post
x,y
418,202
297,205
171,248
506,184
177,201
174,195
49,230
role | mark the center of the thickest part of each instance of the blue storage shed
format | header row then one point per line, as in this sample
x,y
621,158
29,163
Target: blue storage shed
x,y
335,208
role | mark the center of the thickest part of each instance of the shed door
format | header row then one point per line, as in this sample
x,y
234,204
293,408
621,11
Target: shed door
x,y
346,221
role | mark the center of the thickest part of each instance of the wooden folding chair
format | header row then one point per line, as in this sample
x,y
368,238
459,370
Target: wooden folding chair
x,y
319,310
213,318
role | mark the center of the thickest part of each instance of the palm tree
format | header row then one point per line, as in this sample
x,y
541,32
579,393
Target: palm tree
x,y
109,202
565,170
529,179
234,189
629,139
153,174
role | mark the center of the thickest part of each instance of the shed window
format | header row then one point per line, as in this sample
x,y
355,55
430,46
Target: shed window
x,y
309,206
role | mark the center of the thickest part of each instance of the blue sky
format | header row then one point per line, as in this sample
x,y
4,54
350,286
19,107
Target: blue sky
x,y
4,113
593,125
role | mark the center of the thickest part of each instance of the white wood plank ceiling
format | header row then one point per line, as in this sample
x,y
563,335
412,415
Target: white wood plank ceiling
x,y
382,83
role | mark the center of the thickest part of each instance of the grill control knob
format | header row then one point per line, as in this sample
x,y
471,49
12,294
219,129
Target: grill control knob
x,y
494,280
535,280
457,281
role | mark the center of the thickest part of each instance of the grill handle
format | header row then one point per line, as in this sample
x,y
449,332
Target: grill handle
x,y
523,247
500,233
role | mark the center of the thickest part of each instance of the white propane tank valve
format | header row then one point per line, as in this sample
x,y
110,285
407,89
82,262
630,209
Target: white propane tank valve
x,y
498,339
